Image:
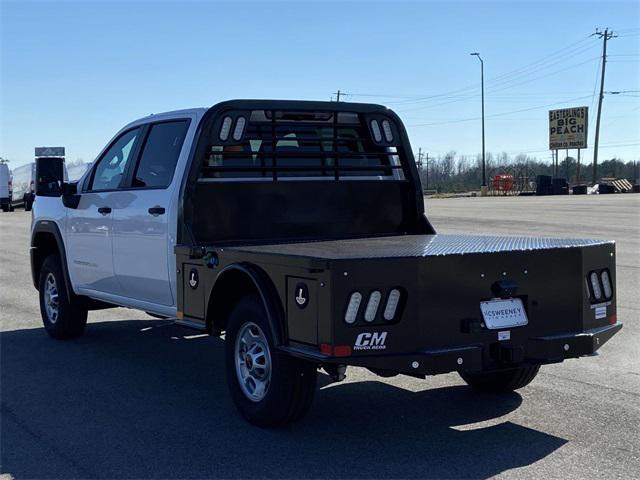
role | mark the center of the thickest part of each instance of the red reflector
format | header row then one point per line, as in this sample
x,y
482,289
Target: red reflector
x,y
337,351
342,350
613,319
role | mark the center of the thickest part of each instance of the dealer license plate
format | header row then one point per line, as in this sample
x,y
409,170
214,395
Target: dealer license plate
x,y
503,313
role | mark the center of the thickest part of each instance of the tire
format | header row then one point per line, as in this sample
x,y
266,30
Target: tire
x,y
28,203
501,381
283,386
63,314
5,208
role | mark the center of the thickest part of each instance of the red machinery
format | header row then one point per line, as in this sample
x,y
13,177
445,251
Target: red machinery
x,y
502,183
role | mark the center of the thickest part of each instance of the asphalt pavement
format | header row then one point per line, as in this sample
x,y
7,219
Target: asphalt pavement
x,y
138,397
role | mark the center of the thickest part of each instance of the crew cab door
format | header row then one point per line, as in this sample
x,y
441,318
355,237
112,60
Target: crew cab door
x,y
142,259
90,225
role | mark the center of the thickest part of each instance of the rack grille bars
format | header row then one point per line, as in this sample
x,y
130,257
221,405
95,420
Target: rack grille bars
x,y
305,168
327,134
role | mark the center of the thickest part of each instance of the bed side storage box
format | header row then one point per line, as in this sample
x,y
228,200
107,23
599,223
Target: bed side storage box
x,y
190,278
193,288
302,309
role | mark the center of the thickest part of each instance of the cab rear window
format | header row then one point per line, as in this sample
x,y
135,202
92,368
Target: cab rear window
x,y
301,145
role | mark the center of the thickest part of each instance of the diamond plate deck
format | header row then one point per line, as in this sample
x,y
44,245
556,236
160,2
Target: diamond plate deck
x,y
417,246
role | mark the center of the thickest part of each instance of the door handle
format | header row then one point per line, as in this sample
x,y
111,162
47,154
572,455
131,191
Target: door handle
x,y
155,211
104,210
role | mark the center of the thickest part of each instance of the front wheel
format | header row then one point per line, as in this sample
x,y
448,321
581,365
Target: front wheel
x,y
269,388
63,314
501,381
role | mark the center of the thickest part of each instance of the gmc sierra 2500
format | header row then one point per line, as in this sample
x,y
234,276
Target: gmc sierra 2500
x,y
298,230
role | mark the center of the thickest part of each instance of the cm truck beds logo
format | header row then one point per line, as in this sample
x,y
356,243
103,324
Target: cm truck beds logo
x,y
371,341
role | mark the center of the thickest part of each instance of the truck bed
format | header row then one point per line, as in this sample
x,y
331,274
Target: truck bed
x,y
415,246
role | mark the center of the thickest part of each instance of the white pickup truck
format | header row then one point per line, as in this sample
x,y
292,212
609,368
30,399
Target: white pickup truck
x,y
298,229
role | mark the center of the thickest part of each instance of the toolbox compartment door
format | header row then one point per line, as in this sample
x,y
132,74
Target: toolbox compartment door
x,y
193,290
302,309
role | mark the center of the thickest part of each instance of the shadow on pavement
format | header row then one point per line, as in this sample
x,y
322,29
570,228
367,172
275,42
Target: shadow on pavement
x,y
140,399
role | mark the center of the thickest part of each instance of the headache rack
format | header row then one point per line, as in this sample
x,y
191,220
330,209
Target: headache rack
x,y
299,145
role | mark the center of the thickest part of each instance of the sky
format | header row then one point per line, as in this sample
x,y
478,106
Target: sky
x,y
73,73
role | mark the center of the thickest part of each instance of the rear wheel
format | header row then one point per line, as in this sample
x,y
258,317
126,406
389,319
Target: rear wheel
x,y
5,208
501,381
63,314
28,203
269,388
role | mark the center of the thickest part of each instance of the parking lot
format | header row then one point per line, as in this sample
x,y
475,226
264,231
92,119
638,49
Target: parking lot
x,y
138,397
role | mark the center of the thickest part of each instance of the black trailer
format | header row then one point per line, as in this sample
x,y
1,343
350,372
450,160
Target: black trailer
x,y
302,236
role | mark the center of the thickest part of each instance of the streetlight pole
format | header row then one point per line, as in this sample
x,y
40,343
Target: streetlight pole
x,y
483,188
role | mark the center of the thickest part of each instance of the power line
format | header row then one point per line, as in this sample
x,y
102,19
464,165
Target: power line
x,y
499,114
489,91
570,49
547,75
530,71
504,80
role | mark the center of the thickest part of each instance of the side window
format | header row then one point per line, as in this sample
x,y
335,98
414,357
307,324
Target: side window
x,y
110,168
160,154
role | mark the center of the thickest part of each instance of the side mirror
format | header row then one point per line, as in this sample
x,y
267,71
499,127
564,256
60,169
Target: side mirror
x,y
70,197
49,176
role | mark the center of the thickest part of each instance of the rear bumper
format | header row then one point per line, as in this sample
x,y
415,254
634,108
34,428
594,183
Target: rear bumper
x,y
536,351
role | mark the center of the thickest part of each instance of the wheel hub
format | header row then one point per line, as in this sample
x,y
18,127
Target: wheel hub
x,y
51,304
253,361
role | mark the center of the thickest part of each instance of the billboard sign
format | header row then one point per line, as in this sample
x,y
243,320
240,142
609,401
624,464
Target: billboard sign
x,y
568,128
49,151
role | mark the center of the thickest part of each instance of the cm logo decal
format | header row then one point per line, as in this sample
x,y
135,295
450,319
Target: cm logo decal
x,y
371,341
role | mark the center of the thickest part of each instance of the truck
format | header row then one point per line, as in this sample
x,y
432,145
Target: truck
x,y
297,230
5,187
23,183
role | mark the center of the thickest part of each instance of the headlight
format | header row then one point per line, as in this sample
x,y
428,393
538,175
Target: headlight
x,y
606,283
372,306
352,309
392,304
595,285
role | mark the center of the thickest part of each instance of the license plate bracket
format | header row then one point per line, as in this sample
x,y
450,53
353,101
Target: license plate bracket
x,y
503,313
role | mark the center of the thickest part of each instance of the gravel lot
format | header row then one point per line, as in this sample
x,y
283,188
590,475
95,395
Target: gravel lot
x,y
140,398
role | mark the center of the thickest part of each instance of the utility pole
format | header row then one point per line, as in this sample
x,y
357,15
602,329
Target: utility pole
x,y
337,94
483,187
606,35
419,163
427,165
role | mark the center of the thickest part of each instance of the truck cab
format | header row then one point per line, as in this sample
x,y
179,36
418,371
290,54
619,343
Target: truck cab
x,y
297,229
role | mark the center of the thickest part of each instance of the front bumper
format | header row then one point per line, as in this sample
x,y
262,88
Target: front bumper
x,y
475,358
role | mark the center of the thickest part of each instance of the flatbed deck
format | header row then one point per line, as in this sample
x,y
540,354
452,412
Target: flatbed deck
x,y
414,246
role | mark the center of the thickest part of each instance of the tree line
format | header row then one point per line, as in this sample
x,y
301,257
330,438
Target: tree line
x,y
451,173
